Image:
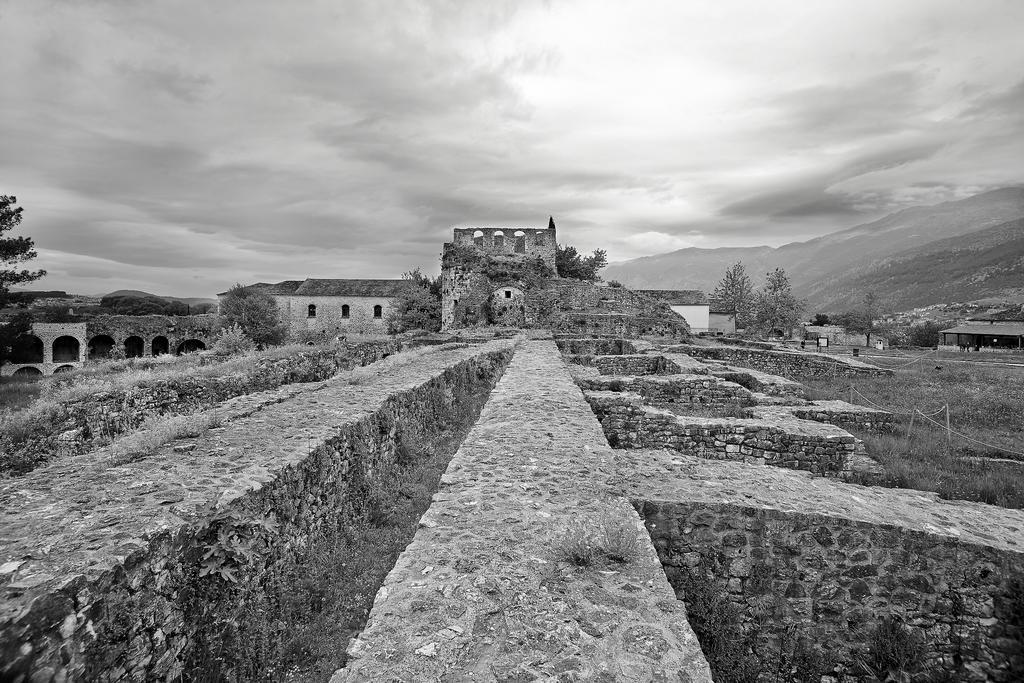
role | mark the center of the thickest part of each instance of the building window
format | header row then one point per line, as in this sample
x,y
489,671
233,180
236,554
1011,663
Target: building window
x,y
378,311
311,311
508,293
344,310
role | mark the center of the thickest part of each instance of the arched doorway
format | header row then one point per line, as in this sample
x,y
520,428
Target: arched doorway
x,y
28,372
134,347
27,348
190,346
101,346
161,346
66,349
64,368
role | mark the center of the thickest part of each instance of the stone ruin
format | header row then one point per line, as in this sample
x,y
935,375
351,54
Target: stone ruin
x,y
708,468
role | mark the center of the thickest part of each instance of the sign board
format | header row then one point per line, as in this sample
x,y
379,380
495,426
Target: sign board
x,y
822,342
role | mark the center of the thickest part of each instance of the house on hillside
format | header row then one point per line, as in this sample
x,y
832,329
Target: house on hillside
x,y
334,306
998,331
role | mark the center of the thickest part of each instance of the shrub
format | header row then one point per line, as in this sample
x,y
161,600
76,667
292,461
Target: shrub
x,y
158,431
255,312
232,341
611,535
894,652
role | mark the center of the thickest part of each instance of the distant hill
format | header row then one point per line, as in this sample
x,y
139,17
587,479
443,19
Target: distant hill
x,y
834,271
191,301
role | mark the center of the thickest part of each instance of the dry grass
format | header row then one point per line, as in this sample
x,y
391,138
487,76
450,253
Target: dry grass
x,y
156,432
986,403
611,535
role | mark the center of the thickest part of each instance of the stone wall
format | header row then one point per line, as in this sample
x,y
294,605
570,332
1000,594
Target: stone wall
x,y
595,347
80,425
107,599
629,423
624,325
761,382
635,364
833,580
330,319
839,413
534,242
672,391
789,364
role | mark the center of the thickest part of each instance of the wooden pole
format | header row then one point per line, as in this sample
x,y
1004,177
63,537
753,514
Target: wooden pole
x,y
949,432
911,427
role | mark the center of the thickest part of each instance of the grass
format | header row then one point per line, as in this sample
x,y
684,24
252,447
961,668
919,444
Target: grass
x,y
985,403
17,393
159,430
294,624
586,541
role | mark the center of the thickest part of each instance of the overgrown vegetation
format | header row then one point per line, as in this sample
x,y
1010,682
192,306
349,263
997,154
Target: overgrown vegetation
x,y
255,311
529,271
984,405
592,539
294,624
159,430
571,264
420,307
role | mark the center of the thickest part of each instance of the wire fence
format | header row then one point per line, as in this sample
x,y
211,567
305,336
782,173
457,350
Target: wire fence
x,y
929,417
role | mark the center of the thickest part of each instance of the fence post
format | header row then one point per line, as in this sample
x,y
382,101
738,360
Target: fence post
x,y
949,432
911,427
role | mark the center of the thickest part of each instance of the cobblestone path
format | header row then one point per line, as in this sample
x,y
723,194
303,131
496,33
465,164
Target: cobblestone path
x,y
480,594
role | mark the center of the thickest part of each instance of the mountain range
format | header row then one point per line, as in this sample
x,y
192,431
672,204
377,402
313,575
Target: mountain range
x,y
955,251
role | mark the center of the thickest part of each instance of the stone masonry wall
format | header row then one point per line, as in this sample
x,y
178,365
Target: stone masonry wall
x,y
674,390
789,364
839,413
595,347
638,364
76,427
104,600
834,579
628,423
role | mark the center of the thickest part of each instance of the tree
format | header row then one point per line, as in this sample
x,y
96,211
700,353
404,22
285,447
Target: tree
x,y
255,312
821,319
925,334
775,307
12,337
570,264
14,250
129,304
736,292
420,307
863,319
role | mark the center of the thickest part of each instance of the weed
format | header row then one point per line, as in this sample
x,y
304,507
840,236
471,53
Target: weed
x,y
158,431
894,651
611,535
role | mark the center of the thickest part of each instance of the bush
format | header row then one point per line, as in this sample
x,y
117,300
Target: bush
x,y
232,341
419,308
611,535
894,652
255,312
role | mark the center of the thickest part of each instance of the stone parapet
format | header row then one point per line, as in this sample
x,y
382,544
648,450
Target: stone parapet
x,y
96,559
797,444
789,364
673,390
839,413
635,364
828,560
481,594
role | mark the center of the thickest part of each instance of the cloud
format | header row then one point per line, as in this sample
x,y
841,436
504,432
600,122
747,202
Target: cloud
x,y
186,147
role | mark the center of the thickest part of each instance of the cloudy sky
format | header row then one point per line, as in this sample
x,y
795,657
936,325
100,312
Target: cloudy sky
x,y
179,147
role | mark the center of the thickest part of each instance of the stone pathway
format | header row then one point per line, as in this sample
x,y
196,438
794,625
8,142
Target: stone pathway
x,y
481,595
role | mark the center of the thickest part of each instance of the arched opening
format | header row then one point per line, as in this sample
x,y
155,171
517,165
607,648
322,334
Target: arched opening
x,y
499,239
378,311
134,347
540,239
520,241
64,368
27,348
190,346
28,372
344,310
478,238
311,311
66,349
161,346
101,346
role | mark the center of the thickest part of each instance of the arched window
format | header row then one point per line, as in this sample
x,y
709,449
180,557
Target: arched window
x,y
520,242
499,239
344,310
478,238
540,238
100,346
311,311
378,311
